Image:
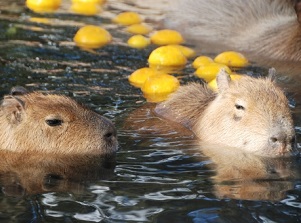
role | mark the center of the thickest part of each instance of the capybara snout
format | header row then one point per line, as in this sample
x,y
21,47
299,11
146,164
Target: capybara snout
x,y
281,138
53,123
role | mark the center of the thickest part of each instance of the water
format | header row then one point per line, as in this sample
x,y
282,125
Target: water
x,y
160,174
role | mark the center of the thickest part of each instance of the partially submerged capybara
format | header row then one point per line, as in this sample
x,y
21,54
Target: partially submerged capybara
x,y
250,113
269,28
54,124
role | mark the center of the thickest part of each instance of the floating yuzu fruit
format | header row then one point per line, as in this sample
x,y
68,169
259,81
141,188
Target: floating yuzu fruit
x,y
127,18
157,88
138,77
231,59
200,61
167,37
43,6
92,37
138,41
209,71
167,57
141,29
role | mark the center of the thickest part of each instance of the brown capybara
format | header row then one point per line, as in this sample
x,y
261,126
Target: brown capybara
x,y
269,28
251,114
53,124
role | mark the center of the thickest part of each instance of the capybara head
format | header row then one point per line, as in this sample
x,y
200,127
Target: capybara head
x,y
250,113
53,123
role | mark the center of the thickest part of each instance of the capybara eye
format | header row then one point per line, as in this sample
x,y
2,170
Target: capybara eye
x,y
54,122
239,107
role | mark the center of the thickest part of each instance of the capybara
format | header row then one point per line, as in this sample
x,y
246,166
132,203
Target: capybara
x,y
33,121
268,28
251,114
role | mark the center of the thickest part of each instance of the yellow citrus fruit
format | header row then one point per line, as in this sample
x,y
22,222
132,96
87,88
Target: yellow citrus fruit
x,y
138,77
43,6
201,61
209,71
231,59
138,41
100,2
139,29
166,37
127,18
167,56
213,85
188,52
92,37
85,8
157,87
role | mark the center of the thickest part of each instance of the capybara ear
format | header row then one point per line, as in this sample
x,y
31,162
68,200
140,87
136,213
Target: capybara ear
x,y
13,108
272,74
223,80
18,90
297,7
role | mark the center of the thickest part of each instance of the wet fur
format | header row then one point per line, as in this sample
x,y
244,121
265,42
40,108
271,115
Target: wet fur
x,y
24,127
268,28
193,98
215,118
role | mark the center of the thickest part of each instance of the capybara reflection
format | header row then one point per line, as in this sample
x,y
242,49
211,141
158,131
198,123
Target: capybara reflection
x,y
269,28
251,114
27,173
33,121
242,175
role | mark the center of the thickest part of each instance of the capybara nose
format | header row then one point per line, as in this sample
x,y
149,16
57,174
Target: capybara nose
x,y
281,142
278,138
108,129
110,134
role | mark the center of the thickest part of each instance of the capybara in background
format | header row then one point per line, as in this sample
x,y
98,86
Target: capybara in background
x,y
33,121
269,28
251,114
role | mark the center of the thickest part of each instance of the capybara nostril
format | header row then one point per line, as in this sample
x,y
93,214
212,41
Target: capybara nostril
x,y
110,134
274,139
279,137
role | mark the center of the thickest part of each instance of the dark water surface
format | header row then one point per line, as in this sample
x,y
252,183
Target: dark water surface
x,y
160,175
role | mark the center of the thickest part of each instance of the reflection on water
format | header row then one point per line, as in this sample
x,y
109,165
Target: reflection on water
x,y
161,174
244,176
40,173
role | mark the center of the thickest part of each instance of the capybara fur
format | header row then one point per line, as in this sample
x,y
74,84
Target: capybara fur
x,y
33,121
251,114
269,28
